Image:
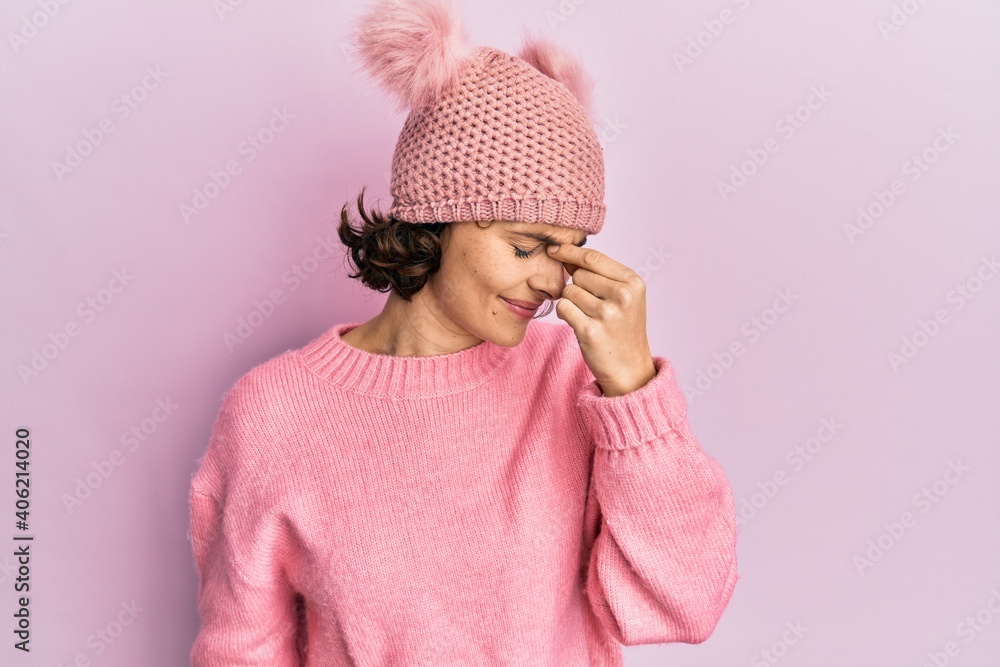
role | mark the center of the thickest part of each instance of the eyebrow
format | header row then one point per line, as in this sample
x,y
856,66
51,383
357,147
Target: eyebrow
x,y
545,238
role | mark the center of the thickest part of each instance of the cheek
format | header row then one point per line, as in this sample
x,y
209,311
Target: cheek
x,y
499,278
476,273
487,270
462,287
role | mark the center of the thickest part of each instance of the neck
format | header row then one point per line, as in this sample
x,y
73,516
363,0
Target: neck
x,y
416,328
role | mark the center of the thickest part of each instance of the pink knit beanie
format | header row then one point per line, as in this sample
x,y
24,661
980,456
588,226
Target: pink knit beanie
x,y
489,136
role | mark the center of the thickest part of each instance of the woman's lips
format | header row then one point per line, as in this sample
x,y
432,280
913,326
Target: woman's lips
x,y
523,309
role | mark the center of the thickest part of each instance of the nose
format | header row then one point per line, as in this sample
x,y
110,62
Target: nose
x,y
550,286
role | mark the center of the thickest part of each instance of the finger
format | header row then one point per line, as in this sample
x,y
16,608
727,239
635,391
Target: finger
x,y
597,285
590,259
582,299
571,313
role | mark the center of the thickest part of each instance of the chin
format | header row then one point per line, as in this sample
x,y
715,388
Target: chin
x,y
514,338
509,335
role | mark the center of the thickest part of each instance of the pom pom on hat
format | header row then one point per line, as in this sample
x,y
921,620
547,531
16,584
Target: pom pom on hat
x,y
490,135
413,48
559,64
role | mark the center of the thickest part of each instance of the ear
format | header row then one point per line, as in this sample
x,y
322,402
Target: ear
x,y
413,48
559,64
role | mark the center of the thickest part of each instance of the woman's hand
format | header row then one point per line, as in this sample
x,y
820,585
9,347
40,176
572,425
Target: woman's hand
x,y
606,306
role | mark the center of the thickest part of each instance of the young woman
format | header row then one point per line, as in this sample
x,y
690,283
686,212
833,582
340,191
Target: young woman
x,y
451,482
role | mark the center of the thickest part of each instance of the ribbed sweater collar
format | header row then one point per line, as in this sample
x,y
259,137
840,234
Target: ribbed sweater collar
x,y
385,375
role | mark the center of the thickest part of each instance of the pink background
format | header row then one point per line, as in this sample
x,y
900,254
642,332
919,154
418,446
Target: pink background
x,y
672,132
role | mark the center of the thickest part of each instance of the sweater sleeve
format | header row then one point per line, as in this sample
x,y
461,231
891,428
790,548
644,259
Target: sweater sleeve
x,y
246,604
661,557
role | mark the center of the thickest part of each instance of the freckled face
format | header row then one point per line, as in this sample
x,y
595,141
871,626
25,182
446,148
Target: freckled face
x,y
483,265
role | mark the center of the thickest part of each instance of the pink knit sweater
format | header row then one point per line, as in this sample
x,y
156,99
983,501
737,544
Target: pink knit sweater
x,y
485,507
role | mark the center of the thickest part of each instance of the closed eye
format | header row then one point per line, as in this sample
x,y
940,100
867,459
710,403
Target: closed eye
x,y
522,253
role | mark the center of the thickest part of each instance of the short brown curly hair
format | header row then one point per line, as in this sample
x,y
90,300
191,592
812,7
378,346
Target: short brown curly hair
x,y
390,254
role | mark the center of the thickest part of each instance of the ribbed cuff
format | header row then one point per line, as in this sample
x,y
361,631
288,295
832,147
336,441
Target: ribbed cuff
x,y
585,215
635,418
